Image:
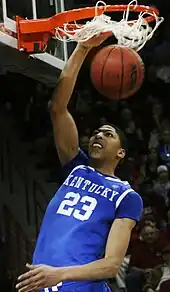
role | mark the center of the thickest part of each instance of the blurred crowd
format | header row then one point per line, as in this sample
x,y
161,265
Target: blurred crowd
x,y
145,119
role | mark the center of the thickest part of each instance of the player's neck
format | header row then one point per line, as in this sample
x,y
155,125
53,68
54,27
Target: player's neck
x,y
104,168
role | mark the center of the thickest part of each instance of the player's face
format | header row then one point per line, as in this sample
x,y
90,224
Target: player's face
x,y
105,144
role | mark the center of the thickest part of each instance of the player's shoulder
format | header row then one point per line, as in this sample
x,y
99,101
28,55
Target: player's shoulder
x,y
123,188
124,185
126,190
120,184
129,202
131,195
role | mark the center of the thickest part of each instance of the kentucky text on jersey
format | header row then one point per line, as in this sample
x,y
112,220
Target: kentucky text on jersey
x,y
79,217
82,184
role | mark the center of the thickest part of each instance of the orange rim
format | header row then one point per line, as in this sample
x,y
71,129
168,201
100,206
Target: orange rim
x,y
58,20
89,12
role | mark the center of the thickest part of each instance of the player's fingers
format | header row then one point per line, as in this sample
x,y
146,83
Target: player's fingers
x,y
24,276
31,281
25,283
32,287
27,275
105,36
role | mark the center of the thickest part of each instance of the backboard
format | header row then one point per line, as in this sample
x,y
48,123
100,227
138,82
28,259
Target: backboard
x,y
44,64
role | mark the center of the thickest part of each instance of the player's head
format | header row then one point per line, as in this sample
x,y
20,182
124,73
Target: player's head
x,y
108,143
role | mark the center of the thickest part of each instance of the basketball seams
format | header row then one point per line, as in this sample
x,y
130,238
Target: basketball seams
x,y
117,72
141,69
122,74
103,69
96,70
132,52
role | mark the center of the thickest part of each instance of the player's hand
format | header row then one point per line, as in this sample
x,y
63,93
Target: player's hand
x,y
95,41
39,277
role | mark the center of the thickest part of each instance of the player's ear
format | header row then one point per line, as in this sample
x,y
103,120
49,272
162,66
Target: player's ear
x,y
121,153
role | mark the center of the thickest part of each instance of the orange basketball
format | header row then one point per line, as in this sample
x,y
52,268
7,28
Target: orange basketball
x,y
117,72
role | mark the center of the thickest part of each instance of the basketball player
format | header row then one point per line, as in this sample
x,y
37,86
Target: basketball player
x,y
88,223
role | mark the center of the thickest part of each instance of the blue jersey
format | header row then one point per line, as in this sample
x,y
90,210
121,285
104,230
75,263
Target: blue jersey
x,y
79,217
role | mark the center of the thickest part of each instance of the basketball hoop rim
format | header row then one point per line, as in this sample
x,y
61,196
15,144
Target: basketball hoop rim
x,y
66,17
33,34
90,12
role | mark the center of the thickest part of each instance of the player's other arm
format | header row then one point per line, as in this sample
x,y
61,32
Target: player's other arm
x,y
64,128
109,266
128,212
41,276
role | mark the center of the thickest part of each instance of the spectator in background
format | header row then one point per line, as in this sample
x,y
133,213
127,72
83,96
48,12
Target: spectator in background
x,y
125,116
147,220
155,206
83,102
138,173
164,148
165,124
145,255
162,184
166,230
152,163
133,133
159,278
84,142
155,123
157,113
153,140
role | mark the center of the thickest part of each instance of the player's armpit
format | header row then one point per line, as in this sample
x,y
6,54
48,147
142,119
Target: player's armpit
x,y
118,240
65,135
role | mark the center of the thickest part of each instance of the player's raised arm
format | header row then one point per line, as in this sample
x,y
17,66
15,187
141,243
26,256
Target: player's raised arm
x,y
65,131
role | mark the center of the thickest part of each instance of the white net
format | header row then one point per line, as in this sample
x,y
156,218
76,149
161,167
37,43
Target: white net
x,y
132,34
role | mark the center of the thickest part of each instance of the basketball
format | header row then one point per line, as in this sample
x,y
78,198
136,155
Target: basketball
x,y
117,72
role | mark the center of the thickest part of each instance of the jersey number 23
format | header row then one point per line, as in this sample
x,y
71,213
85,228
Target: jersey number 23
x,y
68,206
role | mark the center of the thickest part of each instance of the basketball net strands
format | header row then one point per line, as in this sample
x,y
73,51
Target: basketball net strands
x,y
33,35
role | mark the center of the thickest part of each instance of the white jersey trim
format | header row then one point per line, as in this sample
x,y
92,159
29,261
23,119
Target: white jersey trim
x,y
77,167
81,166
122,196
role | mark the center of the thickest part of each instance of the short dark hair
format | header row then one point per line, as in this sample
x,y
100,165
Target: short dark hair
x,y
121,134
